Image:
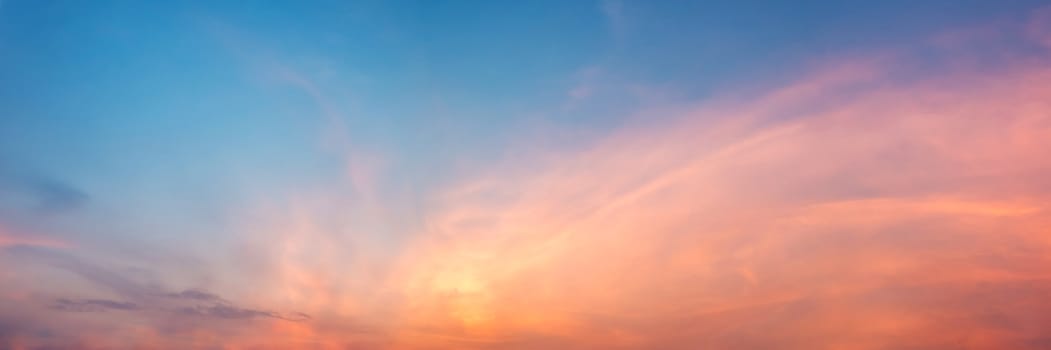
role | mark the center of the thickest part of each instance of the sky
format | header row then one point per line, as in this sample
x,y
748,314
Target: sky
x,y
613,174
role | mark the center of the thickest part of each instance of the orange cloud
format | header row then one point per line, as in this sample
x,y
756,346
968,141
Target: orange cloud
x,y
846,210
856,208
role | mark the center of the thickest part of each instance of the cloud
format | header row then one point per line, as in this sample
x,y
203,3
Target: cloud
x,y
226,311
212,305
148,304
97,275
92,305
39,193
192,294
860,206
10,239
55,196
868,204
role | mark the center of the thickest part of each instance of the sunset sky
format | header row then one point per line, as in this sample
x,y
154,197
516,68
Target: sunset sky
x,y
533,174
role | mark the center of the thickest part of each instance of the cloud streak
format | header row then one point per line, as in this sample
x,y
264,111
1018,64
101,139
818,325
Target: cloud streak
x,y
161,318
92,305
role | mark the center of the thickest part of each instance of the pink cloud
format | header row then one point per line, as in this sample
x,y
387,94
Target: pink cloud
x,y
858,207
10,239
841,210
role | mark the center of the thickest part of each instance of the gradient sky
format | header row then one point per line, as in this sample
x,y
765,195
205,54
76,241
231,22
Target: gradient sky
x,y
525,174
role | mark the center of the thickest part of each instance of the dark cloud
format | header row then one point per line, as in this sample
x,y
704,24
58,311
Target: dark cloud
x,y
93,305
214,306
226,312
139,296
193,294
125,287
143,297
297,316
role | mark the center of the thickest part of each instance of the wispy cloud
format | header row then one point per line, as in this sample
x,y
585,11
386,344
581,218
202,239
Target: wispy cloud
x,y
846,208
827,212
92,305
9,238
149,304
33,193
193,294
